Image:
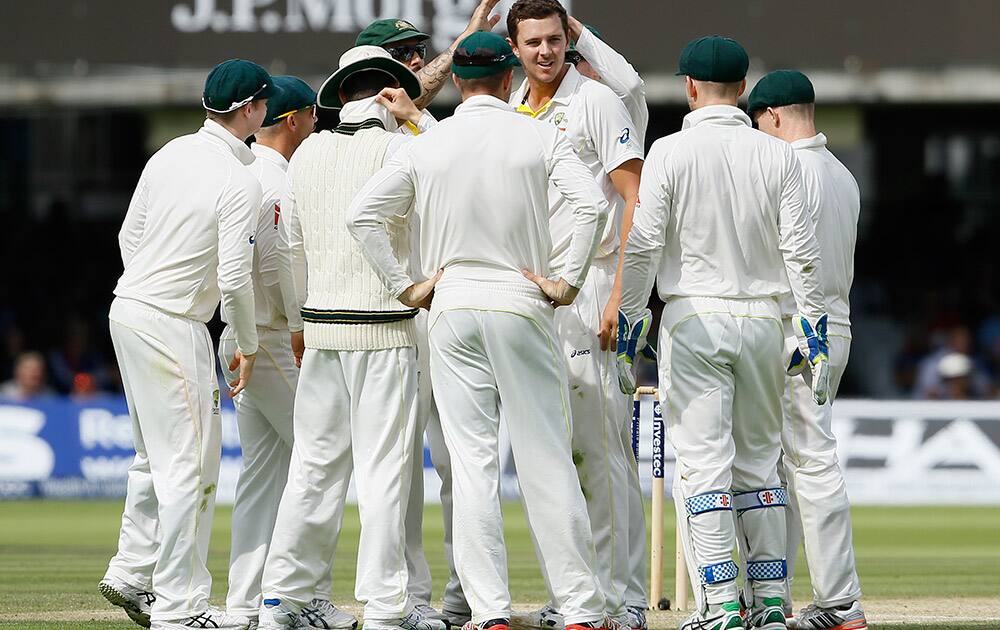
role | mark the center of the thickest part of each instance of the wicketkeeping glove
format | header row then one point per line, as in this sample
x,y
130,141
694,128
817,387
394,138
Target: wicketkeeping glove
x,y
631,340
814,349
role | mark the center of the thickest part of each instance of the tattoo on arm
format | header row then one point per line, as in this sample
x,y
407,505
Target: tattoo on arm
x,y
432,77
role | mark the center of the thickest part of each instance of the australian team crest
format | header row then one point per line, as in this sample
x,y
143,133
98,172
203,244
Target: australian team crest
x,y
403,25
559,118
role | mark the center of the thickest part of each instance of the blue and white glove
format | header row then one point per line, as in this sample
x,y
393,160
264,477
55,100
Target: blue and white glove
x,y
813,349
631,340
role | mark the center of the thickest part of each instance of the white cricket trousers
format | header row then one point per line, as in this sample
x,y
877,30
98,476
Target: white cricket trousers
x,y
601,412
482,360
168,373
264,417
354,411
721,377
429,424
635,592
819,510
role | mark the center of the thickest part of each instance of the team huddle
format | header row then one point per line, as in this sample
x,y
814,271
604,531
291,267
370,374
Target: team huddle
x,y
399,277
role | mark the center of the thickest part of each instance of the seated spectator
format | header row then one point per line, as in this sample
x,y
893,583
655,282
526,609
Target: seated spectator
x,y
954,371
29,380
76,355
930,383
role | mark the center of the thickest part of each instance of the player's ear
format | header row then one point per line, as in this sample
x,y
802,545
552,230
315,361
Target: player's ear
x,y
743,88
458,84
691,88
513,46
775,117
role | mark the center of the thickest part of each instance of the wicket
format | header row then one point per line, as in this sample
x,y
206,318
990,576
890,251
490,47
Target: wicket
x,y
656,533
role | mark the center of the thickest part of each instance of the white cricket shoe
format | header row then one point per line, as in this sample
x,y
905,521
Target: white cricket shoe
x,y
211,618
634,619
545,618
769,614
812,617
320,613
411,621
135,601
725,618
275,615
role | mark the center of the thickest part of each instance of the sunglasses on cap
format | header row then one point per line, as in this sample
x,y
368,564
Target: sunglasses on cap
x,y
462,58
406,51
295,111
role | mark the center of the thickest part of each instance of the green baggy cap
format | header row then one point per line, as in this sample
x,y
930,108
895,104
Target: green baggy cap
x,y
234,83
295,95
482,54
781,87
714,58
382,32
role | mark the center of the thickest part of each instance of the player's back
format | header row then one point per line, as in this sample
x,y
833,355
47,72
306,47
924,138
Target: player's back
x,y
170,236
481,182
725,183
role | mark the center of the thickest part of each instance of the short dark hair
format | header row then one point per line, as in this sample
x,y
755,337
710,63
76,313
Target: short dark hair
x,y
366,83
535,10
489,83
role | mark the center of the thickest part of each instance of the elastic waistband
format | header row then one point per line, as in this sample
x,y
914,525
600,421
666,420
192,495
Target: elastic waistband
x,y
519,289
323,316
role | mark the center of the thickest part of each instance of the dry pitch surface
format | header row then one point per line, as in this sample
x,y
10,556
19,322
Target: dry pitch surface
x,y
920,567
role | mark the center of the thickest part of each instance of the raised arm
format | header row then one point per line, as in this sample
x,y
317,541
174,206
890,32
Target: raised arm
x,y
435,74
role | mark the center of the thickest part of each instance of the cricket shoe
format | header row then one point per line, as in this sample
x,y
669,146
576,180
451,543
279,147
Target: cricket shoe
x,y
411,621
135,601
545,618
492,624
634,619
320,613
455,619
725,618
275,615
211,618
768,615
847,617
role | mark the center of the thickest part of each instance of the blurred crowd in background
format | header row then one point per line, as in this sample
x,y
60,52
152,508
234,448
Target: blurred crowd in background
x,y
54,337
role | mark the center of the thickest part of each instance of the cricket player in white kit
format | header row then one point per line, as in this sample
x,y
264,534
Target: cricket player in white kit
x,y
355,406
480,181
596,123
783,105
187,239
264,409
600,62
720,223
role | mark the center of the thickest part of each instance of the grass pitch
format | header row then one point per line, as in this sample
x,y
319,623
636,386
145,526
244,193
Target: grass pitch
x,y
919,567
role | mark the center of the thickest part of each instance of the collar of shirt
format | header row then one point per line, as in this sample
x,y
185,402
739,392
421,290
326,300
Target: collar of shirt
x,y
367,109
269,154
218,133
567,88
717,115
816,142
480,102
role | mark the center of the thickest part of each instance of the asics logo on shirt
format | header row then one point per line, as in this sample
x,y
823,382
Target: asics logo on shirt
x,y
579,353
623,139
251,239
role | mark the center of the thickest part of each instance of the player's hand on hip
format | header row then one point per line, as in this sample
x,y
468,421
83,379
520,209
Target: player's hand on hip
x,y
814,349
243,363
420,294
399,104
559,292
298,346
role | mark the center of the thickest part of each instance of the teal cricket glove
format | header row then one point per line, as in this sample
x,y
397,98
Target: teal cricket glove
x,y
631,340
814,350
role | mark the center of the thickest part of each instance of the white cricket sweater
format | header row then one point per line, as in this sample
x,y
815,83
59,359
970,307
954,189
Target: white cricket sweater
x,y
347,307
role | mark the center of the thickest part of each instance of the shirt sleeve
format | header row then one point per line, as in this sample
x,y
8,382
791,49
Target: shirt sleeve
x,y
389,193
299,268
287,273
797,242
610,128
574,181
619,75
237,219
648,236
135,220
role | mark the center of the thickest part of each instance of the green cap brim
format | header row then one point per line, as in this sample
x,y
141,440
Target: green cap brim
x,y
329,93
398,37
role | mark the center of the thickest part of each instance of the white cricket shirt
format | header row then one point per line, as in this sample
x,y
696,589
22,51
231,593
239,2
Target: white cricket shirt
x,y
722,210
619,75
187,239
599,129
834,203
480,182
275,302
